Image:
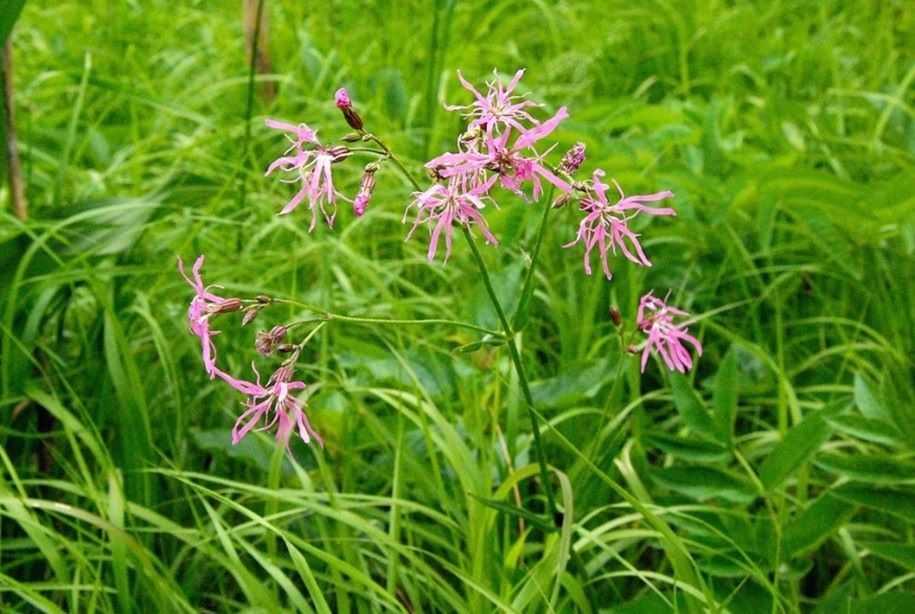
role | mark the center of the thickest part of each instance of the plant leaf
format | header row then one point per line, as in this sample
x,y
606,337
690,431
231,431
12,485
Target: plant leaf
x,y
724,397
704,483
815,524
799,444
691,407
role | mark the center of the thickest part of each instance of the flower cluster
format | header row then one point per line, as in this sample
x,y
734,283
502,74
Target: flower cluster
x,y
504,147
500,147
274,404
273,401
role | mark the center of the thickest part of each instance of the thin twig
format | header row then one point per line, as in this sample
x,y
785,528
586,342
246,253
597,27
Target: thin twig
x,y
14,166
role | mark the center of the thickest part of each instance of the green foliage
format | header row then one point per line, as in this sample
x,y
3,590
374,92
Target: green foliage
x,y
776,477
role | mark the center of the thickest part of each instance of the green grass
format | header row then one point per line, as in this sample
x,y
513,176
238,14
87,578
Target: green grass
x,y
777,477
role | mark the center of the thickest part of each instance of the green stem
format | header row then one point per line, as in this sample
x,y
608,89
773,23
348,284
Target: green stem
x,y
515,356
528,287
506,327
325,316
249,100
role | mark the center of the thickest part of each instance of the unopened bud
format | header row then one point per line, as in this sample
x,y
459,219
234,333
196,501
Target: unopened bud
x,y
267,342
352,137
366,188
632,349
250,313
339,153
226,306
562,200
573,159
470,136
343,102
616,316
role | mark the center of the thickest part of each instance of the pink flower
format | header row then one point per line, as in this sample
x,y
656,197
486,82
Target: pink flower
x,y
342,99
655,318
275,398
443,205
606,226
203,305
498,107
514,168
312,168
303,134
510,162
366,189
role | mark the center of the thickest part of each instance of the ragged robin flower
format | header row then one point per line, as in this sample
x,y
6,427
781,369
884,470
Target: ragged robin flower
x,y
655,318
606,226
203,306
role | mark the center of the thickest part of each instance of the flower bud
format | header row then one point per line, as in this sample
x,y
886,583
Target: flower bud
x,y
267,342
616,316
562,200
250,313
339,153
225,306
366,188
343,102
573,159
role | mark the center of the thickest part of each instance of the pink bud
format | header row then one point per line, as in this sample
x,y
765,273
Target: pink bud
x,y
345,104
342,99
366,188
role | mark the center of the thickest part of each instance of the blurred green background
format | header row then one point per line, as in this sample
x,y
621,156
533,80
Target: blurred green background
x,y
787,132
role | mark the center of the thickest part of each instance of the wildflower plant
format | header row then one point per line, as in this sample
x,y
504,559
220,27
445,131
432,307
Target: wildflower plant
x,y
505,156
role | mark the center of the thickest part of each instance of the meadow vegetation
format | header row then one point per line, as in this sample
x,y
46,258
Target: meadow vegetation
x,y
777,476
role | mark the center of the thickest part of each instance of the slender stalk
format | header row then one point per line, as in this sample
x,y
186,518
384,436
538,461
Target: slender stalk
x,y
257,37
249,101
507,333
325,316
528,288
14,167
515,356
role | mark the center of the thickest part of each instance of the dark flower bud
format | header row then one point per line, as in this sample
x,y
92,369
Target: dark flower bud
x,y
250,313
225,306
339,153
616,316
267,342
573,159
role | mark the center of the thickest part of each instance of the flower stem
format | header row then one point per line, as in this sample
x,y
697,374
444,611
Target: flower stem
x,y
326,316
515,356
506,327
528,287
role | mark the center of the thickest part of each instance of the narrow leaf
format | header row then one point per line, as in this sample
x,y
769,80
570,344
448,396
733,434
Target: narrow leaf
x,y
896,502
690,407
688,449
724,398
